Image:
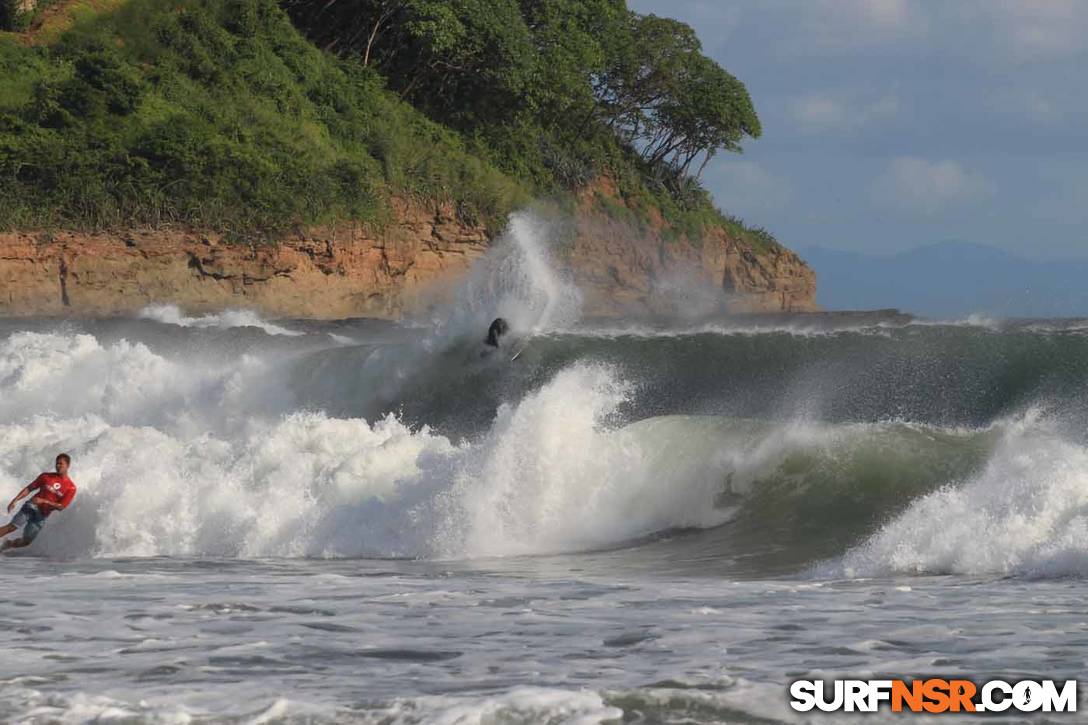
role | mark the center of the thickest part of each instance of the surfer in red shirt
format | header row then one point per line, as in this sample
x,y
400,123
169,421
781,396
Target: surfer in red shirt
x,y
54,492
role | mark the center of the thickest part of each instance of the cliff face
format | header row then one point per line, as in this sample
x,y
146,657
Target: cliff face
x,y
622,270
351,272
323,273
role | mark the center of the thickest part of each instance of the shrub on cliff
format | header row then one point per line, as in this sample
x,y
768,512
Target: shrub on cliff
x,y
220,114
17,15
555,91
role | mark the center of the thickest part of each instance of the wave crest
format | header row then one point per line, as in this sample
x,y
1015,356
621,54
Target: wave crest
x,y
225,320
1025,513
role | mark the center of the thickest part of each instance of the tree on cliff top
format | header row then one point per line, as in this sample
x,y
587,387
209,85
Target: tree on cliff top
x,y
541,78
662,95
219,113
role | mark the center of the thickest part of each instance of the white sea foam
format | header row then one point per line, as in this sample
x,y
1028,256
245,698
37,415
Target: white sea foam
x,y
172,315
547,706
986,322
71,375
524,704
197,458
1025,513
187,456
738,329
35,706
551,476
190,457
516,281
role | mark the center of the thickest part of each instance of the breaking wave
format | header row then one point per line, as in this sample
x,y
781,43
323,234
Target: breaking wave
x,y
191,457
172,315
550,475
853,449
1024,513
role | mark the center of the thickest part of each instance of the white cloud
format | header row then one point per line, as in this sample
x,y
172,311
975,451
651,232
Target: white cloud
x,y
1017,30
1038,108
881,13
1013,31
987,31
1041,109
1038,30
816,112
841,26
744,187
864,20
922,186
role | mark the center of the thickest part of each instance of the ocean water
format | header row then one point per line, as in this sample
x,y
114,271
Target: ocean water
x,y
657,521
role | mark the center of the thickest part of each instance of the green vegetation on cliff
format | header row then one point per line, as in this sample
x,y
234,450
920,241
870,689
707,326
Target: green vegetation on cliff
x,y
222,113
214,113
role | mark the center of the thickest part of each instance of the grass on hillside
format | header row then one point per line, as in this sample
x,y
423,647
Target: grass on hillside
x,y
216,114
49,19
219,114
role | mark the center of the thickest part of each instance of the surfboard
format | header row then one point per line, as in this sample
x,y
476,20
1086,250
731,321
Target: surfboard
x,y
518,353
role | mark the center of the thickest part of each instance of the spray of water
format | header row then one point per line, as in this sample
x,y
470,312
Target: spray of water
x,y
1025,513
516,280
551,475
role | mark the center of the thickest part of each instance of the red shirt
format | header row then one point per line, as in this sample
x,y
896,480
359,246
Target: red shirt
x,y
54,487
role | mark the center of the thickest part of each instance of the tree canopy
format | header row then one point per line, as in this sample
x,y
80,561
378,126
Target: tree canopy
x,y
664,96
220,113
539,77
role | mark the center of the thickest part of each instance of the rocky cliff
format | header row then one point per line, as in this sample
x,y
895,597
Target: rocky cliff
x,y
623,271
321,273
350,271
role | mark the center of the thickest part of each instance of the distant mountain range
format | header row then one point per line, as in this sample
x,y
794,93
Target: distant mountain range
x,y
950,279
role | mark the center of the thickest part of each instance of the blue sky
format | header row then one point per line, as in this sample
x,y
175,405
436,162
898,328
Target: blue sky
x,y
890,124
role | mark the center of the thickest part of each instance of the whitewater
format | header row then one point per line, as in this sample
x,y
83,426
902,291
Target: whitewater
x,y
636,521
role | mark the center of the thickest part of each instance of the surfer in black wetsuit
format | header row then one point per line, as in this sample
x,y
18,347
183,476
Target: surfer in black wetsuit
x,y
499,327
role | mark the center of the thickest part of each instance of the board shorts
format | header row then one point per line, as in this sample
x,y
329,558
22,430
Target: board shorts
x,y
31,519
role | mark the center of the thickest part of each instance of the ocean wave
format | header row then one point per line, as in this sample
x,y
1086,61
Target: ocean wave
x,y
550,475
518,706
172,315
985,322
726,328
1024,514
290,451
126,383
218,458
